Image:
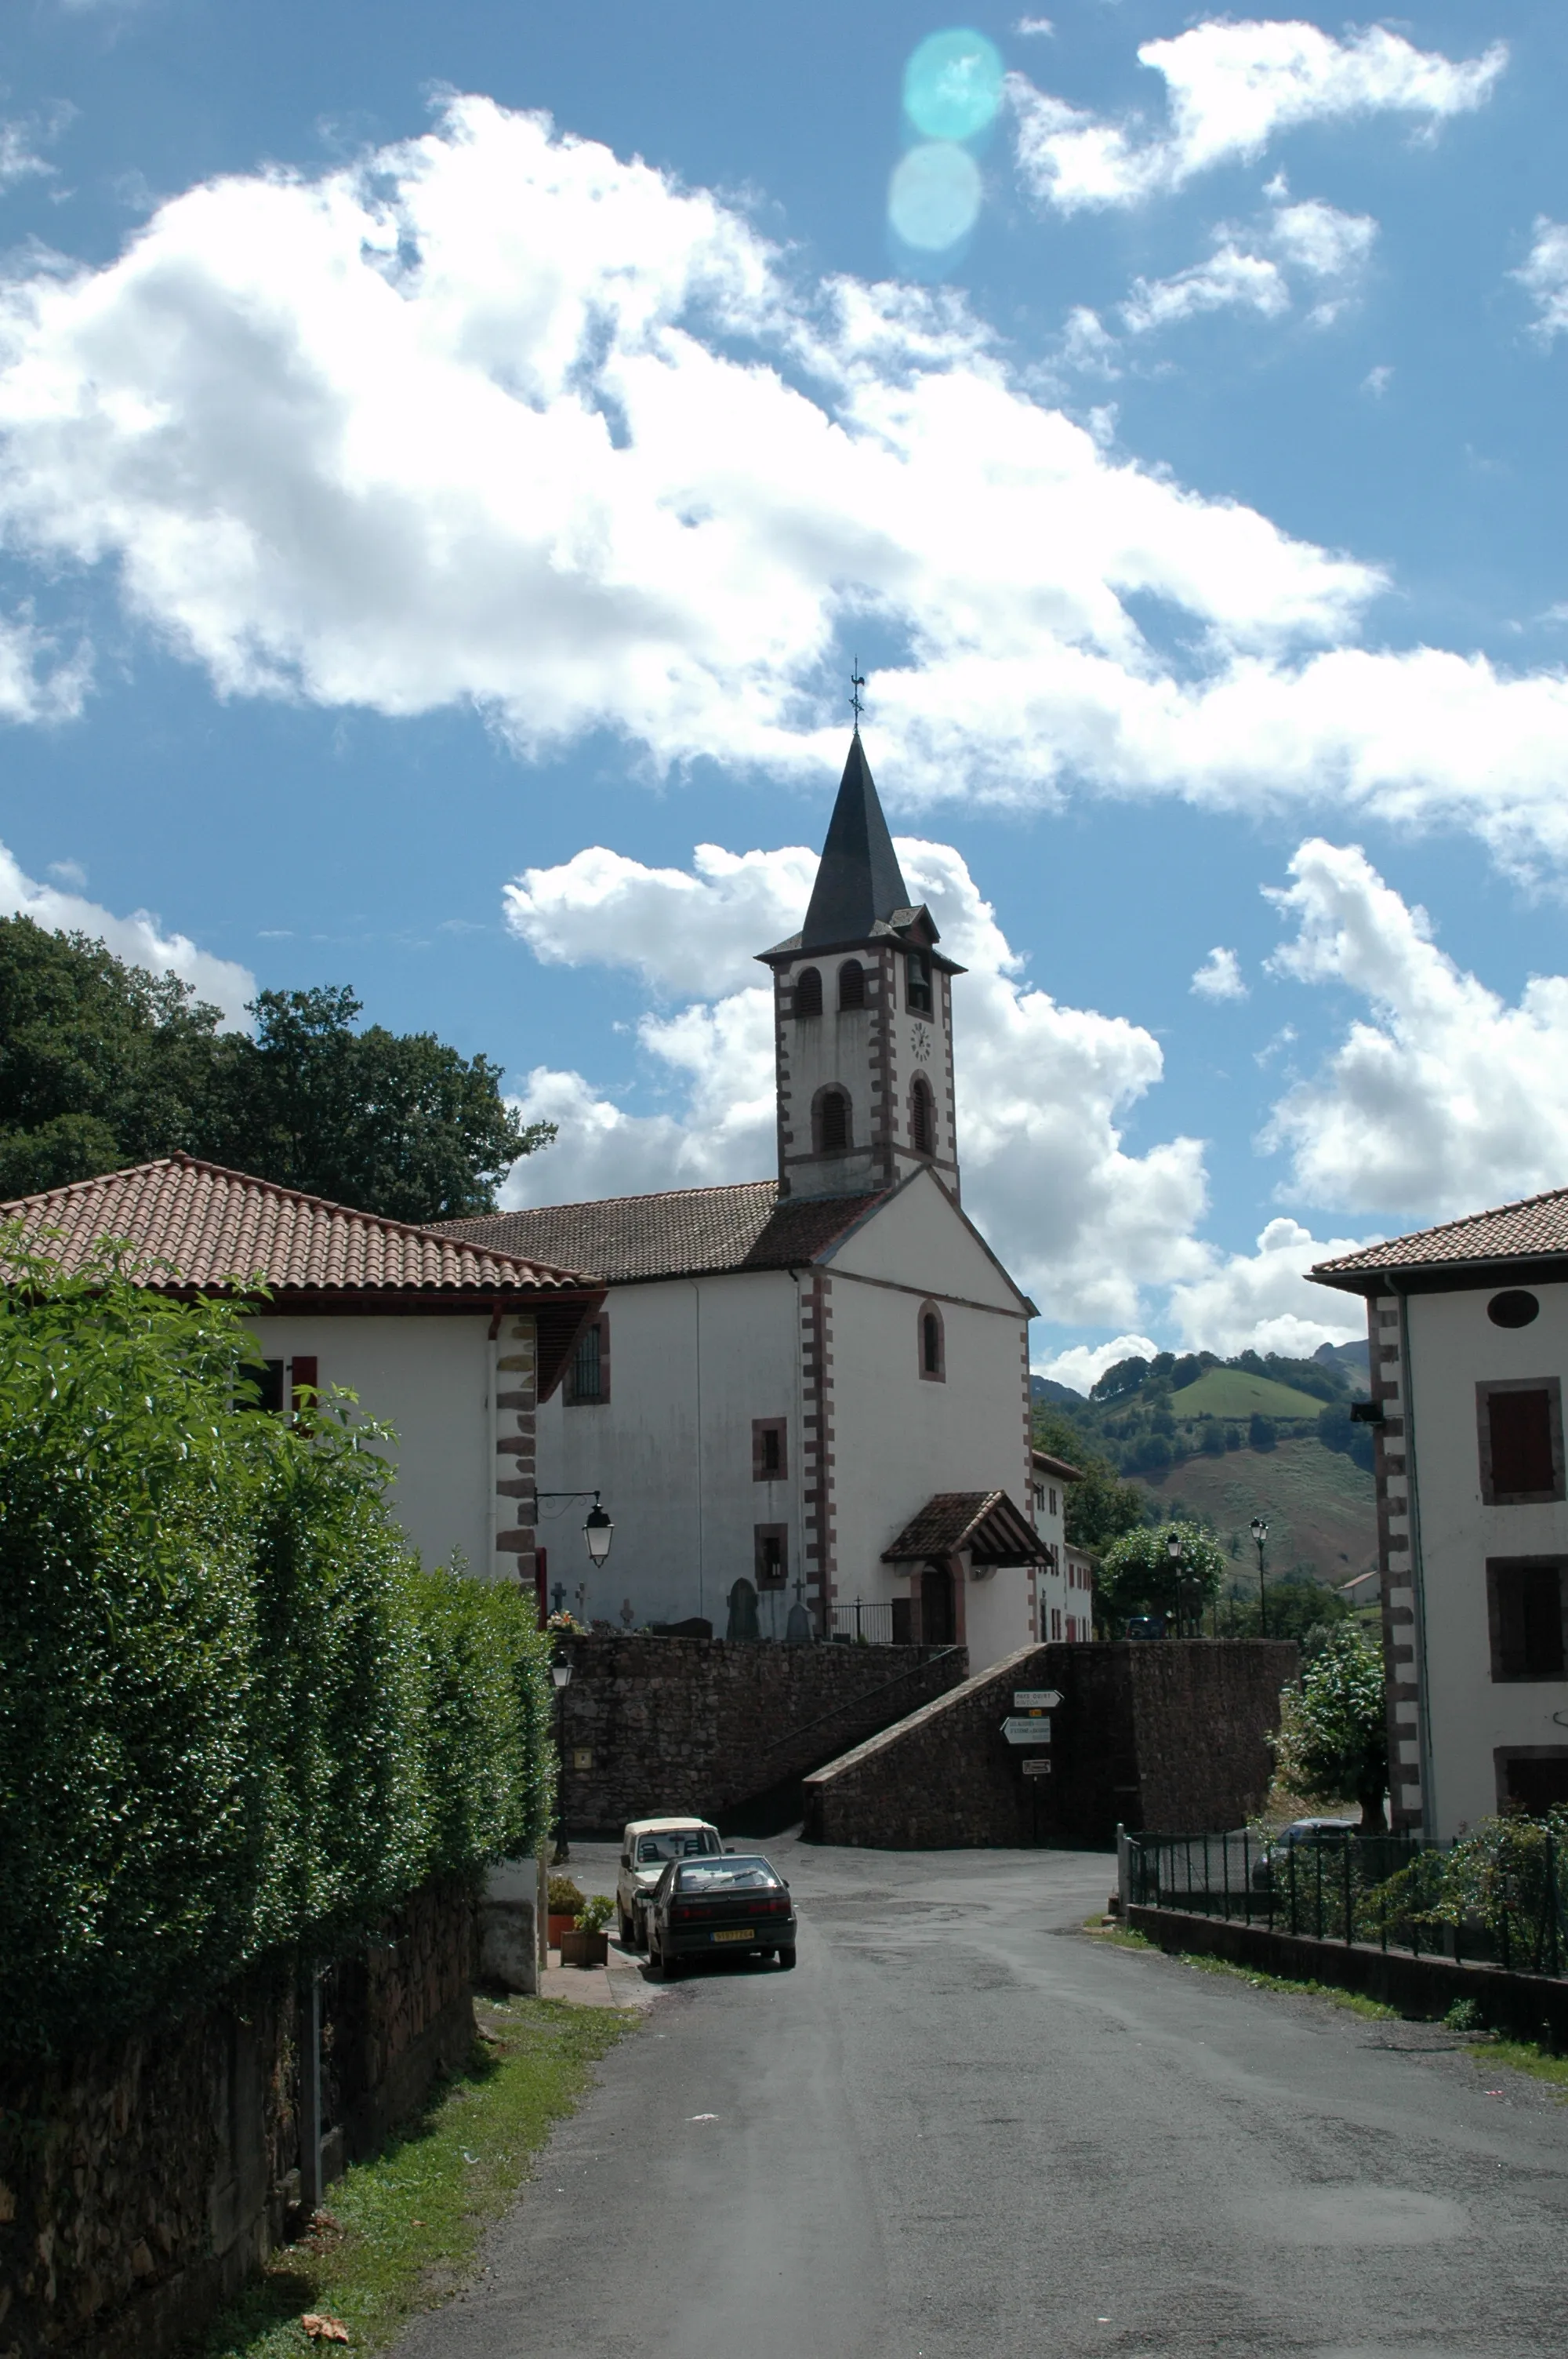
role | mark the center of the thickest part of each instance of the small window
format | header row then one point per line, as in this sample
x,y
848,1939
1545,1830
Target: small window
x,y
808,992
268,1382
932,1367
1524,1611
851,985
1531,1778
1040,1498
921,1117
772,1556
1053,1503
1055,1622
917,981
1514,1309
590,1366
833,1122
768,1452
1521,1442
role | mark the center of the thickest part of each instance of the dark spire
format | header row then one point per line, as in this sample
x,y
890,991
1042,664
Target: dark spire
x,y
859,880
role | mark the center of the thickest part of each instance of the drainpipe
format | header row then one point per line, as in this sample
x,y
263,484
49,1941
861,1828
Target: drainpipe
x,y
1418,1583
696,1287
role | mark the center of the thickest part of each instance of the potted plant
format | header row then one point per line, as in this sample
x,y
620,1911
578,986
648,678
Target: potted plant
x,y
562,1901
588,1944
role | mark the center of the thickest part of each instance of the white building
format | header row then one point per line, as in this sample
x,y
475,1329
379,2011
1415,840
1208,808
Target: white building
x,y
810,1391
1470,1349
1064,1582
450,1344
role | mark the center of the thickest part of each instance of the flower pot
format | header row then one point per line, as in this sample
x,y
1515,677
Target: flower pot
x,y
559,1926
585,1949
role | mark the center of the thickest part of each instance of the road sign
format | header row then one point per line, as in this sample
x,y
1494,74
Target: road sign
x,y
1035,1699
1041,1769
1032,1730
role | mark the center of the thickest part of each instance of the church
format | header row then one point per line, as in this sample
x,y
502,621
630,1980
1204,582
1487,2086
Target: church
x,y
804,1401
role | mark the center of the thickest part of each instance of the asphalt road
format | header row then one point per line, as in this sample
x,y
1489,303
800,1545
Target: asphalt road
x,y
961,2126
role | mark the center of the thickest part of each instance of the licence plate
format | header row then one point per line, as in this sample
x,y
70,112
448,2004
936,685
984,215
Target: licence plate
x,y
738,1933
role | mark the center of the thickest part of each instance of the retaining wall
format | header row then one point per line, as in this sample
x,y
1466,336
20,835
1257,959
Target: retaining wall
x,y
708,1725
1153,1736
143,2179
1531,2006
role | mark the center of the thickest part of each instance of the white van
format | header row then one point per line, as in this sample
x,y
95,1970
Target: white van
x,y
646,1848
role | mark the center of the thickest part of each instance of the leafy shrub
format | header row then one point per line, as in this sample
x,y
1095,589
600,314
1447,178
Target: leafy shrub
x,y
595,1914
563,1898
1333,1741
1139,1575
236,1720
1261,1432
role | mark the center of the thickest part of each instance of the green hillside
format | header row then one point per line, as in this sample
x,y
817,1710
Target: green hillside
x,y
1321,1510
1237,1392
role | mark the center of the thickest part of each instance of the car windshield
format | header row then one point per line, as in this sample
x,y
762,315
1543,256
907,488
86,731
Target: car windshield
x,y
726,1875
691,1844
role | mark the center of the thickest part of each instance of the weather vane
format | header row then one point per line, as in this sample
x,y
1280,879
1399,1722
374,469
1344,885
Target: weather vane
x,y
856,682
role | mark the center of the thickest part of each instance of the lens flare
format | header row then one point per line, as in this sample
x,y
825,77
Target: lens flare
x,y
934,197
952,85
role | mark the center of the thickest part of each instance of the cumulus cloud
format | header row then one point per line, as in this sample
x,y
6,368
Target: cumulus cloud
x,y
1445,1098
1083,1364
1545,277
1042,1087
1229,281
1230,89
1219,977
495,418
37,683
1312,237
139,939
1262,1300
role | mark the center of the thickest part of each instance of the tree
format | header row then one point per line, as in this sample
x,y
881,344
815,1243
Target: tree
x,y
102,1064
1101,1505
1298,1608
1333,1739
1261,1432
1138,1574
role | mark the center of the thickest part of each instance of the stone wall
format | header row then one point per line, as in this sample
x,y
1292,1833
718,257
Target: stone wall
x,y
708,1725
1161,1737
142,2180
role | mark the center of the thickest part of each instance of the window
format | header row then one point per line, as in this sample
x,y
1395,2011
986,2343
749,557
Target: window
x,y
1053,1502
1055,1622
295,1378
1531,1777
1520,1426
589,1380
923,1116
772,1555
1040,1498
1524,1615
917,981
1514,1309
851,985
832,1122
268,1382
933,1365
808,992
768,1449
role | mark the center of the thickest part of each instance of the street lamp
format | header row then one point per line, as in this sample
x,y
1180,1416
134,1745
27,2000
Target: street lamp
x,y
597,1529
1174,1550
1260,1534
561,1673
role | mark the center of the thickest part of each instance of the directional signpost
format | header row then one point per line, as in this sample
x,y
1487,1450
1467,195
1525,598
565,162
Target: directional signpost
x,y
1033,1728
1038,1767
1036,1698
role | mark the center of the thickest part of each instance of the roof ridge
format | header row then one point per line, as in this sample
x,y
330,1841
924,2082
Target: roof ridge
x,y
639,1196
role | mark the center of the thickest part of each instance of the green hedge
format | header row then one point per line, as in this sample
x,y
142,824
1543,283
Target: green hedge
x,y
237,1720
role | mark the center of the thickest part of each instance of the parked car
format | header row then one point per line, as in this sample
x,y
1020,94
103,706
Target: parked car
x,y
1273,1860
647,1847
705,1907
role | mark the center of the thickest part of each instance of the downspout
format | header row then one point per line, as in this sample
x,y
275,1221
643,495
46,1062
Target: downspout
x,y
1428,1820
696,1287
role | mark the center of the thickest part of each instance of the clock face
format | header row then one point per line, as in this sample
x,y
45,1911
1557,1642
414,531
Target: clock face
x,y
920,1043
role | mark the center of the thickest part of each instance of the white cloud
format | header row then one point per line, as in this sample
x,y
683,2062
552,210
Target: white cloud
x,y
1083,1223
495,418
1316,237
29,688
1545,276
1445,1098
139,939
1230,89
1262,1301
1229,281
1309,236
1083,1364
1219,977
1035,27
1378,380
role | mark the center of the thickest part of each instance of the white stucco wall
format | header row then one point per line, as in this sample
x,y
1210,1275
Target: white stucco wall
x,y
430,1378
692,1362
1452,1345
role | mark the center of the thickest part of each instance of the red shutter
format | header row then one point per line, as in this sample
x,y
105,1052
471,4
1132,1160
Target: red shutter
x,y
1521,1441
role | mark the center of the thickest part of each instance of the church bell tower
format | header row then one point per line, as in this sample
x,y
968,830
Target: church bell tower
x,y
862,1018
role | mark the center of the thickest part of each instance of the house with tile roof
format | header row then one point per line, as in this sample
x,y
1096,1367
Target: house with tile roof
x,y
787,1375
453,1343
1468,1327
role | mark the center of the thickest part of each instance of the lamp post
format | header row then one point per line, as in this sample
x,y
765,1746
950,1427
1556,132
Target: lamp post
x,y
561,1673
1260,1534
1174,1550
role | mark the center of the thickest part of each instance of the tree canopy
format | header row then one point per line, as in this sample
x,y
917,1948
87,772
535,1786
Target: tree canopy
x,y
103,1064
1138,1574
1333,1739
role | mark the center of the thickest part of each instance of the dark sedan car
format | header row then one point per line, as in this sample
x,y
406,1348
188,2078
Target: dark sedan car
x,y
704,1907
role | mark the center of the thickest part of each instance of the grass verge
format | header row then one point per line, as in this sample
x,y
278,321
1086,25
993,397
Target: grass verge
x,y
401,2229
1490,2050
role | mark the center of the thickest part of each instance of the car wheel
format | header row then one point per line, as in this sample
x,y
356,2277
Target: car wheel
x,y
628,1932
786,1957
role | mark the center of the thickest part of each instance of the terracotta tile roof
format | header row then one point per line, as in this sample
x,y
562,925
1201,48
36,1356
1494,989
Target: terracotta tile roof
x,y
1522,1232
211,1226
1057,1466
985,1522
689,1233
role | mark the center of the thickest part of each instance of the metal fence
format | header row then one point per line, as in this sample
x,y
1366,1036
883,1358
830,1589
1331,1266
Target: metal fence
x,y
866,1622
1497,1899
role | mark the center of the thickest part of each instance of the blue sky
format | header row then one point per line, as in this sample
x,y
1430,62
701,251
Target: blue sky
x,y
402,496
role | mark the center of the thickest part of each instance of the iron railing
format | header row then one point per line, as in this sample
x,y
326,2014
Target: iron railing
x,y
865,1622
1498,1897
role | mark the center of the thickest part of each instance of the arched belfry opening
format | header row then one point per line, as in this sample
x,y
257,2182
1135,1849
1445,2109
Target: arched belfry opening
x,y
863,1103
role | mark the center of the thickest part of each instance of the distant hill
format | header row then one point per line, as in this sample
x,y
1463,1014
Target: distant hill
x,y
1357,1357
1047,1388
1237,1392
1320,1508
